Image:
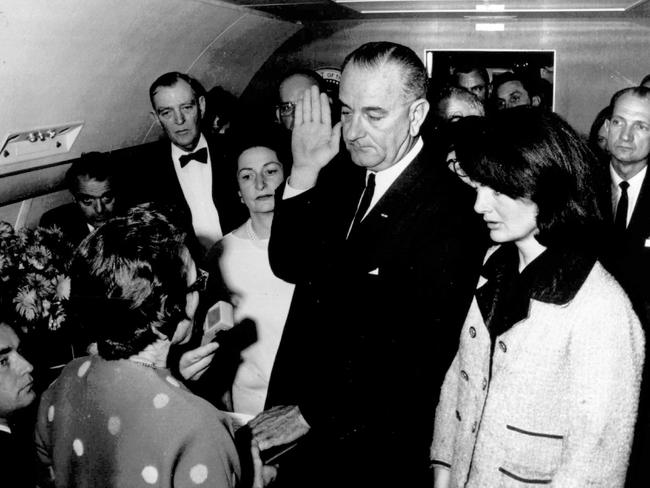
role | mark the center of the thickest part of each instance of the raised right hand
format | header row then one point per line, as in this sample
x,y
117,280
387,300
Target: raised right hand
x,y
314,142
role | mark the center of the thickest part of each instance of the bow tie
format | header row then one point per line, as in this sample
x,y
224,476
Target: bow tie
x,y
201,156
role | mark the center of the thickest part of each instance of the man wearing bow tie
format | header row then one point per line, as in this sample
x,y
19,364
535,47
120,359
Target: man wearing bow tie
x,y
189,168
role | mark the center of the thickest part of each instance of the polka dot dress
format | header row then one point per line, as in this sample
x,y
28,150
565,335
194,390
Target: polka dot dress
x,y
120,423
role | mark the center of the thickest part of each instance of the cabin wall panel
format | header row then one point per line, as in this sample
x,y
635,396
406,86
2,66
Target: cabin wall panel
x,y
93,60
594,58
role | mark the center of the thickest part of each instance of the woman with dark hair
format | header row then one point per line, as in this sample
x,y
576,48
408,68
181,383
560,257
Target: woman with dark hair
x,y
544,386
598,134
244,263
119,418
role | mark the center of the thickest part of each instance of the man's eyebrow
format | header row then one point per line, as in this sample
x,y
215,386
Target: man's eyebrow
x,y
5,350
374,109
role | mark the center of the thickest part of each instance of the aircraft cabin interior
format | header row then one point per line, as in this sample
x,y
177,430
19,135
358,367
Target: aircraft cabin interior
x,y
75,78
85,66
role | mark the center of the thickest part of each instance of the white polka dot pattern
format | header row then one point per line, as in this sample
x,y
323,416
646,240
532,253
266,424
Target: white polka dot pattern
x,y
198,474
83,369
50,413
172,381
150,474
114,425
78,447
160,400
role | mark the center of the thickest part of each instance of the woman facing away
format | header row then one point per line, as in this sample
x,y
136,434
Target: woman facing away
x,y
544,386
119,418
259,294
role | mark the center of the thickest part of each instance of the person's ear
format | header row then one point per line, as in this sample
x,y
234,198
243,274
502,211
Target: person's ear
x,y
535,101
417,113
241,198
606,126
201,106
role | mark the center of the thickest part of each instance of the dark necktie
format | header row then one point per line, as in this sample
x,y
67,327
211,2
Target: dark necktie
x,y
620,222
201,156
366,198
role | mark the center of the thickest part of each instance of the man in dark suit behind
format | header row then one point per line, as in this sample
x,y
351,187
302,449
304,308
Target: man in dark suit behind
x,y
188,170
628,257
92,183
384,277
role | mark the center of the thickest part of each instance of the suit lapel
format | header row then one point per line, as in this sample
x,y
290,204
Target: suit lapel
x,y
640,222
396,209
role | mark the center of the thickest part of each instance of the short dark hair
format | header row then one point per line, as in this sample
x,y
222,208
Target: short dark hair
x,y
467,69
219,102
170,79
637,91
375,54
527,152
126,278
95,165
603,116
526,81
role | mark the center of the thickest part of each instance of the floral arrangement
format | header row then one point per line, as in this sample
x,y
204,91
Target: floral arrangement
x,y
33,280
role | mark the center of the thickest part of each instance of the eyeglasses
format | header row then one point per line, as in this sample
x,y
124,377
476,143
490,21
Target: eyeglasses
x,y
201,282
285,109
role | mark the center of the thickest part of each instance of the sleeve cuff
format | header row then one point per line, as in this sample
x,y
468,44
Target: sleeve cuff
x,y
290,192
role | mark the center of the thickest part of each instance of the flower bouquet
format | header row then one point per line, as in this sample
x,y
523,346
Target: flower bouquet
x,y
34,286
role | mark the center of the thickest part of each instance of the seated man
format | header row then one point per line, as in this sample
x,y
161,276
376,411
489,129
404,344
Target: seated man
x,y
15,395
92,183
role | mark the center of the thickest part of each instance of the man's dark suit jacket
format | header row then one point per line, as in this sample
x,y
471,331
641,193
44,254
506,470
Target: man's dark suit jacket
x,y
628,259
155,180
375,320
69,219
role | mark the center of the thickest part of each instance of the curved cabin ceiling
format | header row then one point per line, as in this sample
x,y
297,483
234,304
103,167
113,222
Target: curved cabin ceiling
x,y
63,61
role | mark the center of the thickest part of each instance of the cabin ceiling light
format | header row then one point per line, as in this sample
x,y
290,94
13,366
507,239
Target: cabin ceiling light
x,y
468,7
39,143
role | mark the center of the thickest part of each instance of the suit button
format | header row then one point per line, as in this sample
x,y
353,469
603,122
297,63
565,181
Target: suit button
x,y
472,332
502,345
463,375
474,425
484,383
457,414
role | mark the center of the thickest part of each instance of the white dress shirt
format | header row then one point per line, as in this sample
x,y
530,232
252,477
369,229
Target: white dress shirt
x,y
383,179
633,190
196,182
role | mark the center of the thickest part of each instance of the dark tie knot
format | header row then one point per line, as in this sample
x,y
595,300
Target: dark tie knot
x,y
201,156
624,185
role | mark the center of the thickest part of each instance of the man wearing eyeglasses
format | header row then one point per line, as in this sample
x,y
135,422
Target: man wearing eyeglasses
x,y
290,91
187,170
92,183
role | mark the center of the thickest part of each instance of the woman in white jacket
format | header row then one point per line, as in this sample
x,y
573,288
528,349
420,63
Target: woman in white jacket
x,y
544,386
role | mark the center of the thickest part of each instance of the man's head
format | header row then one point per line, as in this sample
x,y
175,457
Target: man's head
x,y
473,79
628,130
90,179
455,103
178,103
15,374
514,90
382,94
291,89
